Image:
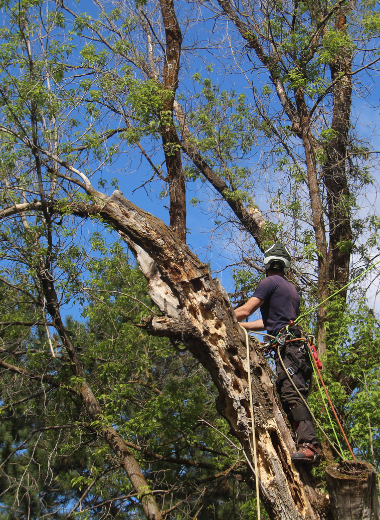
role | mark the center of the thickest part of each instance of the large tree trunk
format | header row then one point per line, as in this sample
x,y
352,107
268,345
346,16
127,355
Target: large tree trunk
x,y
196,311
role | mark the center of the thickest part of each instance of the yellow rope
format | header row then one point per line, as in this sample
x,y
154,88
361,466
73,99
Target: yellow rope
x,y
253,424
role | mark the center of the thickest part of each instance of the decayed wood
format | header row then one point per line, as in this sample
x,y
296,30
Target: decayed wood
x,y
196,311
352,489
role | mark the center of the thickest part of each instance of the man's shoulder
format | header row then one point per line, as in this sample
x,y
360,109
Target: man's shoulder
x,y
265,287
284,283
274,280
274,283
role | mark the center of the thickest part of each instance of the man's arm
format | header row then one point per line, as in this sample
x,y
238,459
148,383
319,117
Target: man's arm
x,y
248,308
253,325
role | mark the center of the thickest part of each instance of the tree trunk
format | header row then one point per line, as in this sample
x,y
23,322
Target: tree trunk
x,y
352,488
335,175
170,140
196,311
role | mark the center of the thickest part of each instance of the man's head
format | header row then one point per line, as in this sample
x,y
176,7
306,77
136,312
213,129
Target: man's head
x,y
277,259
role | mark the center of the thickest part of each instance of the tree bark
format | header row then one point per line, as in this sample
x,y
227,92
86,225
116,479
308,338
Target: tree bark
x,y
352,488
317,214
335,176
170,140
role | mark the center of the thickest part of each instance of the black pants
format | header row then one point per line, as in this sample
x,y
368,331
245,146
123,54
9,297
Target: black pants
x,y
297,362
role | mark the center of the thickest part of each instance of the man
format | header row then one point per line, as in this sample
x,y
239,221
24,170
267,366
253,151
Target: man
x,y
279,303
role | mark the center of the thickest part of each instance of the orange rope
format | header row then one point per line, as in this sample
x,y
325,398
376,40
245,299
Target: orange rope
x,y
329,400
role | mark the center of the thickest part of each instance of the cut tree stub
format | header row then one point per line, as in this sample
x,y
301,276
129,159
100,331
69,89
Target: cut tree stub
x,y
352,489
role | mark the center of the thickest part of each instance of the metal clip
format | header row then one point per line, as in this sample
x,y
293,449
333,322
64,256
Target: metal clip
x,y
291,371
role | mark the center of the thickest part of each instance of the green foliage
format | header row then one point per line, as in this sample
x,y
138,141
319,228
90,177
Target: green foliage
x,y
147,99
249,510
245,281
224,130
296,78
335,42
153,396
351,373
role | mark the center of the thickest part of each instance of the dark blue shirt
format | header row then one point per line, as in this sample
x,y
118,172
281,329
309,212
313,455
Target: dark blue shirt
x,y
281,302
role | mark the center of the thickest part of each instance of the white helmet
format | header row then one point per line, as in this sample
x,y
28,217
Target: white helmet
x,y
277,257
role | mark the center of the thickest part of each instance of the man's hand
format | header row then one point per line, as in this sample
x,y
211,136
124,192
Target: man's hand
x,y
253,325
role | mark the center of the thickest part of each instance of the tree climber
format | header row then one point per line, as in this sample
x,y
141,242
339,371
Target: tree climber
x,y
279,303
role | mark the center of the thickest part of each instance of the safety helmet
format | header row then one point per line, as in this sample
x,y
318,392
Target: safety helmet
x,y
277,257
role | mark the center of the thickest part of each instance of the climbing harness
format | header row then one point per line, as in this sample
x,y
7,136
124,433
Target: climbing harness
x,y
253,423
274,344
308,407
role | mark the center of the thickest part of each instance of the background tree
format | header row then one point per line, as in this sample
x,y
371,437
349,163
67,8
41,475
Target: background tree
x,y
307,56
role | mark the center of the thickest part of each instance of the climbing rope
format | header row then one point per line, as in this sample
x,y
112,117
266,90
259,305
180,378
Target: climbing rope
x,y
315,364
253,423
307,406
329,400
323,398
